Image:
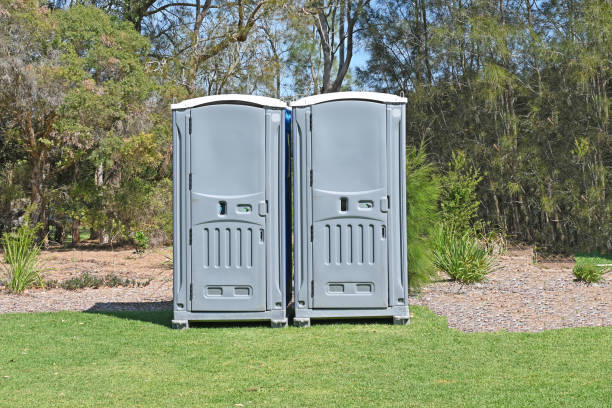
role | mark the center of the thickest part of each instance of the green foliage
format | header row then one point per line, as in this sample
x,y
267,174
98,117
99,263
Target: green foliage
x,y
589,273
528,105
462,256
422,191
21,252
141,241
591,267
458,199
86,280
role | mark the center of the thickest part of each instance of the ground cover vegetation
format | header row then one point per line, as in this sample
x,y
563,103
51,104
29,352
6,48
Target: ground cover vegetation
x,y
507,121
591,268
135,359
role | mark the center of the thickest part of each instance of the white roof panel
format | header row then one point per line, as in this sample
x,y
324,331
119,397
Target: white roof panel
x,y
251,99
336,96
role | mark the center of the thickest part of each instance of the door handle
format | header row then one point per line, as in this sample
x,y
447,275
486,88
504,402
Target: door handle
x,y
263,208
384,204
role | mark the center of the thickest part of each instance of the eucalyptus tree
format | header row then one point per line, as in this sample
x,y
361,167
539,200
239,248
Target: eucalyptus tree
x,y
68,79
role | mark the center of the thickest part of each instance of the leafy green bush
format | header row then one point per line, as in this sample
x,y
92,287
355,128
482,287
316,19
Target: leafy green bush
x,y
21,252
589,273
142,242
461,255
422,192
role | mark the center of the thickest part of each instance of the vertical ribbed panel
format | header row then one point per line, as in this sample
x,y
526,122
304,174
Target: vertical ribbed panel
x,y
348,244
227,248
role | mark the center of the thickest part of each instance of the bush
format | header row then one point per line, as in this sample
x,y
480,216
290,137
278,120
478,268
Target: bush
x,y
461,255
422,191
589,273
21,252
458,199
141,241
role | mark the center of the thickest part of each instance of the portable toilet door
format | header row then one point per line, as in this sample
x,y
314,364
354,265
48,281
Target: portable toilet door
x,y
230,224
349,205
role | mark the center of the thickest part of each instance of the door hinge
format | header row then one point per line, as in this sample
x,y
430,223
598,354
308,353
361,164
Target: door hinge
x,y
311,288
190,235
189,181
310,121
190,125
311,176
191,291
311,233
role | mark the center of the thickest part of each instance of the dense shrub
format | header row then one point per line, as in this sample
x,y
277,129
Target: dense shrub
x,y
422,191
462,256
589,273
21,252
458,199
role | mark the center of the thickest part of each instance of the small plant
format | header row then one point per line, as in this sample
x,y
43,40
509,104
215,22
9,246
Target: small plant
x,y
589,273
141,241
168,262
462,256
21,252
89,281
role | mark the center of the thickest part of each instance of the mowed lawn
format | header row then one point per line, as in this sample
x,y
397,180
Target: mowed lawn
x,y
135,359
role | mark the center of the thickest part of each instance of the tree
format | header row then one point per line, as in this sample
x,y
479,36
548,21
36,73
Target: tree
x,y
67,79
336,25
522,88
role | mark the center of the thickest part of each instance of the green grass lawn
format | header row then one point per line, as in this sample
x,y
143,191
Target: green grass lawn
x,y
595,259
135,359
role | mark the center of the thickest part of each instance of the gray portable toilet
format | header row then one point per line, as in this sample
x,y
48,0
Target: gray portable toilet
x,y
230,221
350,207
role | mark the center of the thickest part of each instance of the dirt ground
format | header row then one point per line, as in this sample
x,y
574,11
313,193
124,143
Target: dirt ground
x,y
62,264
517,296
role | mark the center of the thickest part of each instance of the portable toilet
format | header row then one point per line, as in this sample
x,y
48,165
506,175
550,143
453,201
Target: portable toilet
x,y
350,207
230,216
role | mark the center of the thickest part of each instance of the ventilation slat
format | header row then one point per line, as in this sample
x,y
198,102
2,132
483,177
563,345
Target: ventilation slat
x,y
250,249
228,248
206,248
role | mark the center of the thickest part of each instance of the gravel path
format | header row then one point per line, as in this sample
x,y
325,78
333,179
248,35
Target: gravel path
x,y
518,296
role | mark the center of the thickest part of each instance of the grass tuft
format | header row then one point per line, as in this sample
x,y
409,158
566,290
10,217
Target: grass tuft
x,y
21,252
462,256
589,273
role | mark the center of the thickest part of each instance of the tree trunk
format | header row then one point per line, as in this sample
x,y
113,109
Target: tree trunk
x,y
60,233
76,232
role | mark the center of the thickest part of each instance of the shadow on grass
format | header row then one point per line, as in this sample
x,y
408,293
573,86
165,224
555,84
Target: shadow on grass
x,y
161,313
149,312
